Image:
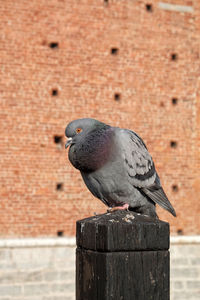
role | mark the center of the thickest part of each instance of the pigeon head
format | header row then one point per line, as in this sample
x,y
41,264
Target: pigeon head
x,y
89,142
76,129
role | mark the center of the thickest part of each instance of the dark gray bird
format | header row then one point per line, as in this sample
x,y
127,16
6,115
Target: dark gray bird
x,y
116,166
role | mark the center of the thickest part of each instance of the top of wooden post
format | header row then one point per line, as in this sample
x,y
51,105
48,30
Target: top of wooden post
x,y
122,231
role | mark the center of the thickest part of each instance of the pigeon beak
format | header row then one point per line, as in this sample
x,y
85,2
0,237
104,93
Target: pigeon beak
x,y
69,141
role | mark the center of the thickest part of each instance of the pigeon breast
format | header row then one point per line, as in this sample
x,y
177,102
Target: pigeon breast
x,y
92,149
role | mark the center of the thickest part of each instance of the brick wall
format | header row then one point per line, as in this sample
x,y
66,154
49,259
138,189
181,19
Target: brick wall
x,y
45,270
61,60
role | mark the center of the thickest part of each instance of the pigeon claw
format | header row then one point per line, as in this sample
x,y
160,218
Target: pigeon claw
x,y
123,207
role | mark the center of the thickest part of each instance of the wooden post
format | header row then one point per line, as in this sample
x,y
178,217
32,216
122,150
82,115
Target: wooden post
x,y
122,256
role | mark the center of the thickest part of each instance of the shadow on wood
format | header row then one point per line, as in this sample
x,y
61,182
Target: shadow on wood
x,y
122,256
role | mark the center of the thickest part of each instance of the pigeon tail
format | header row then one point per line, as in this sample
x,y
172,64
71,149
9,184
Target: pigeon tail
x,y
157,194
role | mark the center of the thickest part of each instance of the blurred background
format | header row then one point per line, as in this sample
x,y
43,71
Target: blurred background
x,y
128,63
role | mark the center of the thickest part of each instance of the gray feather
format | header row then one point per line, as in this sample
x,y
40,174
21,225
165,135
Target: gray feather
x,y
157,194
138,161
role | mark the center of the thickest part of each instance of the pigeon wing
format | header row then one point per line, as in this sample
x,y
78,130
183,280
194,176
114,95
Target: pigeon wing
x,y
141,170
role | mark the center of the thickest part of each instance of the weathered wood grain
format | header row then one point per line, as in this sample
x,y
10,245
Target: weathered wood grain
x,y
122,256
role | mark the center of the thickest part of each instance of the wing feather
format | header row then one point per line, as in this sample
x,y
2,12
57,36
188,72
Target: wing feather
x,y
138,161
157,194
141,170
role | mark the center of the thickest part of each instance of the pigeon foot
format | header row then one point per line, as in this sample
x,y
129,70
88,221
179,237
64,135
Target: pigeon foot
x,y
124,207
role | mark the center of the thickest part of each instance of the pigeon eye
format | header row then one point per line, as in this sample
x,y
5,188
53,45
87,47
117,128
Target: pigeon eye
x,y
78,130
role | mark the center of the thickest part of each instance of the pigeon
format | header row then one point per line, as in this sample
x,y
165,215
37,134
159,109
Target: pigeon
x,y
116,167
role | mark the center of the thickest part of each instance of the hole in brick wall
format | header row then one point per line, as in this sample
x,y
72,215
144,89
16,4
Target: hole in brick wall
x,y
53,45
57,139
59,186
173,144
106,1
60,233
162,104
117,96
54,92
149,7
174,56
180,231
114,51
174,101
175,188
